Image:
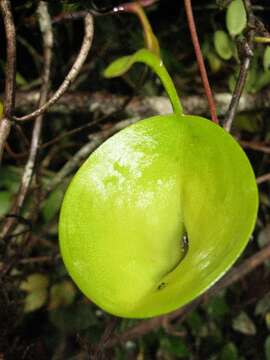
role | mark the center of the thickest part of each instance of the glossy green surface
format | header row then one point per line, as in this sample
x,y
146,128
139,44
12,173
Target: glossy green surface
x,y
140,194
127,208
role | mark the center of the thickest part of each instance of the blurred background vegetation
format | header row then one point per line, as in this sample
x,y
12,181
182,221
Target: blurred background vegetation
x,y
42,313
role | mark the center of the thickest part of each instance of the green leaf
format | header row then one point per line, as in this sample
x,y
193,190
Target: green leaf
x,y
263,79
122,65
5,201
236,17
231,82
9,179
1,109
35,300
267,348
266,58
243,324
20,80
62,294
267,320
195,322
229,352
217,308
175,346
52,205
35,282
263,305
183,171
222,44
73,318
264,236
248,122
214,62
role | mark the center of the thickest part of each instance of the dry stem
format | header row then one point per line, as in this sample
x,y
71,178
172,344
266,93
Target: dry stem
x,y
71,76
5,123
47,35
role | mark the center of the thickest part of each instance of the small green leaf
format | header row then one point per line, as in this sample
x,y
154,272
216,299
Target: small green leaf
x,y
123,64
35,300
236,17
1,109
247,122
176,346
263,79
229,352
5,200
252,83
217,308
9,179
73,318
52,205
214,62
20,80
267,348
263,305
222,44
195,322
231,82
264,236
267,320
35,282
266,58
62,294
243,324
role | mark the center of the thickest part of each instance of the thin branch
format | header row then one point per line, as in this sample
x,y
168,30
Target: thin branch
x,y
5,123
85,48
40,259
105,102
47,35
200,61
255,146
231,278
245,55
239,87
263,178
69,16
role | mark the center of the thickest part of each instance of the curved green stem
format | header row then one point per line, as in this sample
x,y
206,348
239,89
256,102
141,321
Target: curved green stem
x,y
122,65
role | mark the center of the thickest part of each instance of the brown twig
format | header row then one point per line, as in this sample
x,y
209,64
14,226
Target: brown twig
x,y
240,84
71,76
90,102
47,35
232,277
69,16
263,178
255,146
200,61
40,259
245,55
5,123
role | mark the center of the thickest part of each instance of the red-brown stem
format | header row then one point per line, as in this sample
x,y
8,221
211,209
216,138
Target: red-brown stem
x,y
200,61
